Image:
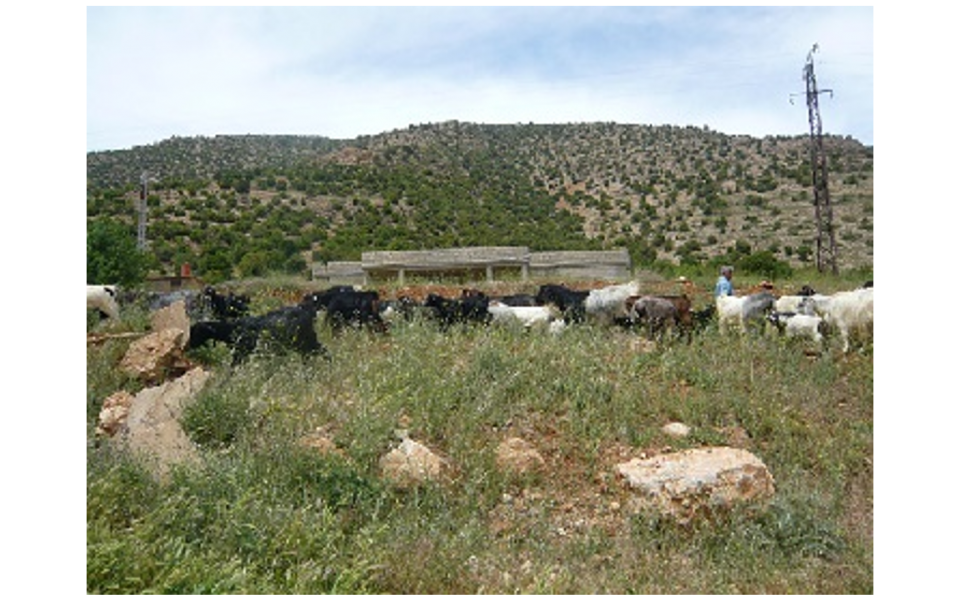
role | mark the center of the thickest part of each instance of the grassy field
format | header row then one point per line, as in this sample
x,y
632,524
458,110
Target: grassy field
x,y
265,514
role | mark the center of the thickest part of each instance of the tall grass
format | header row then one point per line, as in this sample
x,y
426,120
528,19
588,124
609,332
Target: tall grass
x,y
265,514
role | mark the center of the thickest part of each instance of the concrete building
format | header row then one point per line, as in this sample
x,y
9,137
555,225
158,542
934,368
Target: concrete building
x,y
479,263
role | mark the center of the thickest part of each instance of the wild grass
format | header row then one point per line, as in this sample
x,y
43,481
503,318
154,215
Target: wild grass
x,y
262,513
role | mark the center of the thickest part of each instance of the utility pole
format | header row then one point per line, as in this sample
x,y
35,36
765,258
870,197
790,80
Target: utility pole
x,y
142,214
826,244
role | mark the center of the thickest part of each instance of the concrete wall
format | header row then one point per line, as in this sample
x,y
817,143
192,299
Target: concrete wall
x,y
611,265
453,258
340,273
478,263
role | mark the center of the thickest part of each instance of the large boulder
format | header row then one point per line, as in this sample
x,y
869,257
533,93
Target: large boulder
x,y
691,482
152,429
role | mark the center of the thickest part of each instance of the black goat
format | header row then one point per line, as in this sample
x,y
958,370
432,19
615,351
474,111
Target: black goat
x,y
346,306
226,307
570,302
471,307
289,328
517,300
702,318
321,300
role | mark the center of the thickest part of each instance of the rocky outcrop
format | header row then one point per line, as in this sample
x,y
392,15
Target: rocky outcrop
x,y
685,484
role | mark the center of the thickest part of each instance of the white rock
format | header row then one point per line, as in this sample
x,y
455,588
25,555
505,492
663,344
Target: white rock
x,y
676,429
689,482
410,464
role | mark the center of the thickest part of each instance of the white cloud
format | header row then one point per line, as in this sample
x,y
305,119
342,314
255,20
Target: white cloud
x,y
342,72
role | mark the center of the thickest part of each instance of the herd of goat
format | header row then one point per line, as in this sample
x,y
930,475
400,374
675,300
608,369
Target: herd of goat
x,y
226,317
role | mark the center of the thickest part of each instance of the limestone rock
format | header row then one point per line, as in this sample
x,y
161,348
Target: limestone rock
x,y
410,464
676,429
172,317
152,428
151,357
113,414
686,483
160,353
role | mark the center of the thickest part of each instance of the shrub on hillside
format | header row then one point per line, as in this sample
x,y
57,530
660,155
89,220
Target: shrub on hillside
x,y
766,264
112,255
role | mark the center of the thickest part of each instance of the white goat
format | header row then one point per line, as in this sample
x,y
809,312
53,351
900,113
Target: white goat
x,y
729,311
104,299
528,316
609,302
556,326
798,325
849,311
796,304
740,310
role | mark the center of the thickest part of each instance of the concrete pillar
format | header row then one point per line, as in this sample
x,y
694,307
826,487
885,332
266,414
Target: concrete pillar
x,y
401,277
489,274
525,271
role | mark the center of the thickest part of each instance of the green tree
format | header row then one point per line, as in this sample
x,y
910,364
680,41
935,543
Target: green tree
x,y
254,264
214,264
112,255
766,264
804,253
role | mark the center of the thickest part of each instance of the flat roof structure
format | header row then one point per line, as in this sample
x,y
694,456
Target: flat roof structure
x,y
479,261
447,260
585,264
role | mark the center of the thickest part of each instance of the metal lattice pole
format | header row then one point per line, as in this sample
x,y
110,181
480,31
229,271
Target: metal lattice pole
x,y
823,211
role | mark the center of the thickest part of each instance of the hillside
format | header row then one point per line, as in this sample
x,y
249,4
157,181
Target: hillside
x,y
244,205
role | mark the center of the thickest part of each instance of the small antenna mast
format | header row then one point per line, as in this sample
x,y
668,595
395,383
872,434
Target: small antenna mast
x,y
142,214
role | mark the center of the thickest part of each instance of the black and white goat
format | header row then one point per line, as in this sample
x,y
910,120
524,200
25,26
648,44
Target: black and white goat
x,y
103,298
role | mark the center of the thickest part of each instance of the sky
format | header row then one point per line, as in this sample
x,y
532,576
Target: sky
x,y
157,72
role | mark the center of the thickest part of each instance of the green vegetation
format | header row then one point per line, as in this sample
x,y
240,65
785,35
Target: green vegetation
x,y
264,514
247,206
112,255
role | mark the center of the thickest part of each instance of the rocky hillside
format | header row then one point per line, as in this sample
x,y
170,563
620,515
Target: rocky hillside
x,y
239,205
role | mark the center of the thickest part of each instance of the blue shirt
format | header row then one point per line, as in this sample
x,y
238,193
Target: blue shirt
x,y
724,287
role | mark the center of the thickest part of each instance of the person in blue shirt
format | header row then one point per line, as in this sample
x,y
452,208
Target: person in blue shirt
x,y
724,283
